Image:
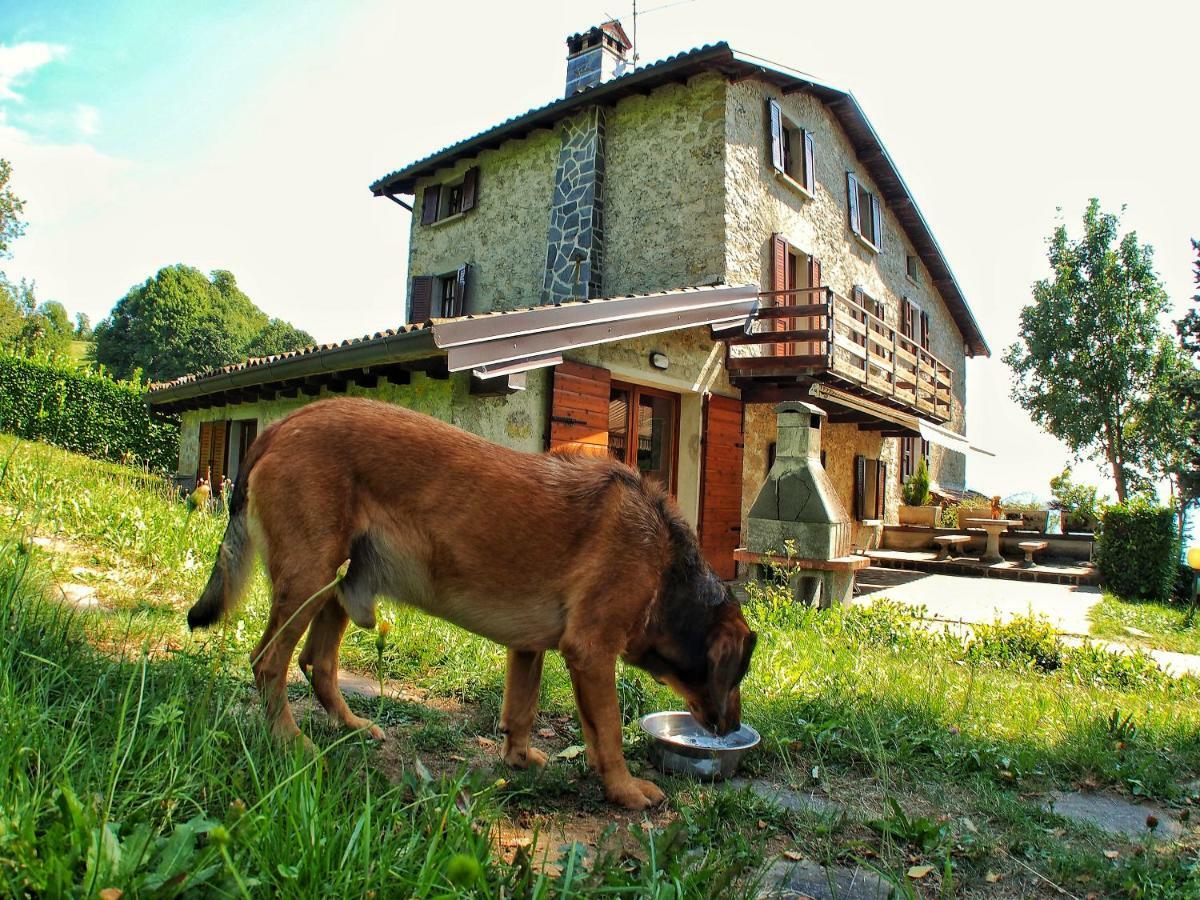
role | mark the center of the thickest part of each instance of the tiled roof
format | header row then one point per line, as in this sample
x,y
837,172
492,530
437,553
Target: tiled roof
x,y
255,362
540,116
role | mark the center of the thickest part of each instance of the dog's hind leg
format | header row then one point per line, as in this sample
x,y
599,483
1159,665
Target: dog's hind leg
x,y
319,660
292,609
522,684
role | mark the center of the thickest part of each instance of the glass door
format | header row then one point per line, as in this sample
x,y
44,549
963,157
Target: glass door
x,y
643,431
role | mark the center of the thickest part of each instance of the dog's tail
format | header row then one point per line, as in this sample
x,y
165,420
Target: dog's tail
x,y
235,556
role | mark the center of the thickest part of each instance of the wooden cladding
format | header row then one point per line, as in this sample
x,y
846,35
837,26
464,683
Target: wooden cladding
x,y
721,483
579,409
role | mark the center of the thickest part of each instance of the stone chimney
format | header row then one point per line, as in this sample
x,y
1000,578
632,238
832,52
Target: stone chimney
x,y
595,56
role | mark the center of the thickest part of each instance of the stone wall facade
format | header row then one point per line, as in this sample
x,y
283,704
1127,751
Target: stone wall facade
x,y
761,204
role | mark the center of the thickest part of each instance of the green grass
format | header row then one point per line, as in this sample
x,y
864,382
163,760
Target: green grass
x,y
133,755
1167,626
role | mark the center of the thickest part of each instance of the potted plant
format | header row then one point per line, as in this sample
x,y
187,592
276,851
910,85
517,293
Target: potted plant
x,y
918,507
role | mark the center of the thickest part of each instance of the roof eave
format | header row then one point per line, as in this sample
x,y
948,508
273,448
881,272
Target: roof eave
x,y
389,349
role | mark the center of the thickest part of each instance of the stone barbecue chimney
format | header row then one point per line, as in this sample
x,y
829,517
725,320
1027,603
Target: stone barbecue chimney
x,y
798,502
595,56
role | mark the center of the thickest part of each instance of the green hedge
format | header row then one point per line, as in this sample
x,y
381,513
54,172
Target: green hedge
x,y
1138,550
85,412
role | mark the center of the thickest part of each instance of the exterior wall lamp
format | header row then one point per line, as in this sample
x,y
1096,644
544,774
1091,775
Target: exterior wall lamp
x,y
659,361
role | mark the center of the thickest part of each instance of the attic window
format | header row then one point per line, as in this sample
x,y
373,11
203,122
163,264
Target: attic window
x,y
791,150
911,268
866,220
453,198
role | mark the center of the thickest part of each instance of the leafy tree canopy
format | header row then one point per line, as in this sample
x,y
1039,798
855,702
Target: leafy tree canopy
x,y
181,321
1088,355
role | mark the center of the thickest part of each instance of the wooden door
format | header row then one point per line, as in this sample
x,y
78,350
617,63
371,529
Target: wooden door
x,y
643,432
782,279
579,409
721,484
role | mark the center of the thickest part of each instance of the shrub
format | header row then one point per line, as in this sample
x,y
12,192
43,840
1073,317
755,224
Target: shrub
x,y
1079,502
916,489
84,411
1138,549
1024,642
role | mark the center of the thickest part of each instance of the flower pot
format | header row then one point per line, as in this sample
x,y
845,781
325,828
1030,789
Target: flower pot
x,y
928,516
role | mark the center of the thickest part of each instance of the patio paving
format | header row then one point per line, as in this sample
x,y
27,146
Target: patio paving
x,y
980,601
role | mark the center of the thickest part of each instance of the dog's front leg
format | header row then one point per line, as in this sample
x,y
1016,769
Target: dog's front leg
x,y
521,687
594,678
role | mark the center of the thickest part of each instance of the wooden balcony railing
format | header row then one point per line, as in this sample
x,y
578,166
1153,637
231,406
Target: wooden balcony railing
x,y
816,331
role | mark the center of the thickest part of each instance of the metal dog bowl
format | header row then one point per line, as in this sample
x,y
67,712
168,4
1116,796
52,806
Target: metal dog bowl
x,y
682,745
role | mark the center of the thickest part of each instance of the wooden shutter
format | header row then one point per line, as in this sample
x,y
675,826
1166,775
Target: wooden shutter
x,y
721,484
907,318
810,165
470,188
876,224
860,487
420,299
204,456
924,330
852,196
880,489
579,409
775,131
220,442
780,281
907,455
429,204
460,290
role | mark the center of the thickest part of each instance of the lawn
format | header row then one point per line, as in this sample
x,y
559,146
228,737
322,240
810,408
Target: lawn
x,y
1146,623
133,755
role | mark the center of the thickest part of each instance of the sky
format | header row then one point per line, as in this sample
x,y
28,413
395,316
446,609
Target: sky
x,y
243,136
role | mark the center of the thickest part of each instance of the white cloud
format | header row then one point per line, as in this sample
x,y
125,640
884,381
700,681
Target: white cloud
x,y
21,59
87,120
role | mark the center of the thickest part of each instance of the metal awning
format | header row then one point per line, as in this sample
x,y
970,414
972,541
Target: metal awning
x,y
519,341
912,426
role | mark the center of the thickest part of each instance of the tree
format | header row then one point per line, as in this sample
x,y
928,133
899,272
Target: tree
x,y
1088,350
1183,393
278,337
83,327
11,208
181,321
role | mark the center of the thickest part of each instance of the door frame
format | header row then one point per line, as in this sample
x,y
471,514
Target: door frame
x,y
635,392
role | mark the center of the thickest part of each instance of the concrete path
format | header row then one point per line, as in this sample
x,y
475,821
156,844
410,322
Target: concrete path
x,y
961,602
981,601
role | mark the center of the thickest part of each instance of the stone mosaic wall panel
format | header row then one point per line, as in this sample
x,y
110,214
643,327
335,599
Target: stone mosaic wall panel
x,y
575,239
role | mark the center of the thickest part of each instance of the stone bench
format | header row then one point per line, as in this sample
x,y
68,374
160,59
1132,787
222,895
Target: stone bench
x,y
829,582
946,541
1030,548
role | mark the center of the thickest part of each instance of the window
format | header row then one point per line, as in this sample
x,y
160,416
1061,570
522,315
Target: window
x,y
791,150
870,304
643,431
914,323
912,449
794,270
870,488
865,218
443,201
439,296
911,268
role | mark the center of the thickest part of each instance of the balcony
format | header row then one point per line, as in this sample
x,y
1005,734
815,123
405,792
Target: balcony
x,y
816,335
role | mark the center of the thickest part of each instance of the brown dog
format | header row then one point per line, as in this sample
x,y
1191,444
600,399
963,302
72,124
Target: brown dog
x,y
535,552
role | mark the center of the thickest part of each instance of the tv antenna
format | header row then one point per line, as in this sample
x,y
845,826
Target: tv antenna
x,y
645,12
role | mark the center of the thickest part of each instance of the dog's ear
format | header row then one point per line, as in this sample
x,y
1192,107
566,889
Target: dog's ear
x,y
729,658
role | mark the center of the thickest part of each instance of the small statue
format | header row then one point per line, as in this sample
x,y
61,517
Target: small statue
x,y
997,511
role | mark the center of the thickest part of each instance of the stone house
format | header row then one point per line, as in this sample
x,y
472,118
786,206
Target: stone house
x,y
643,268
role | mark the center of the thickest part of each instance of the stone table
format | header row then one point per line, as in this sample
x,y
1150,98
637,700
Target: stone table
x,y
994,528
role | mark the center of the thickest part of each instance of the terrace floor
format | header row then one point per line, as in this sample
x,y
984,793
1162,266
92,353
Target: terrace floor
x,y
1048,569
